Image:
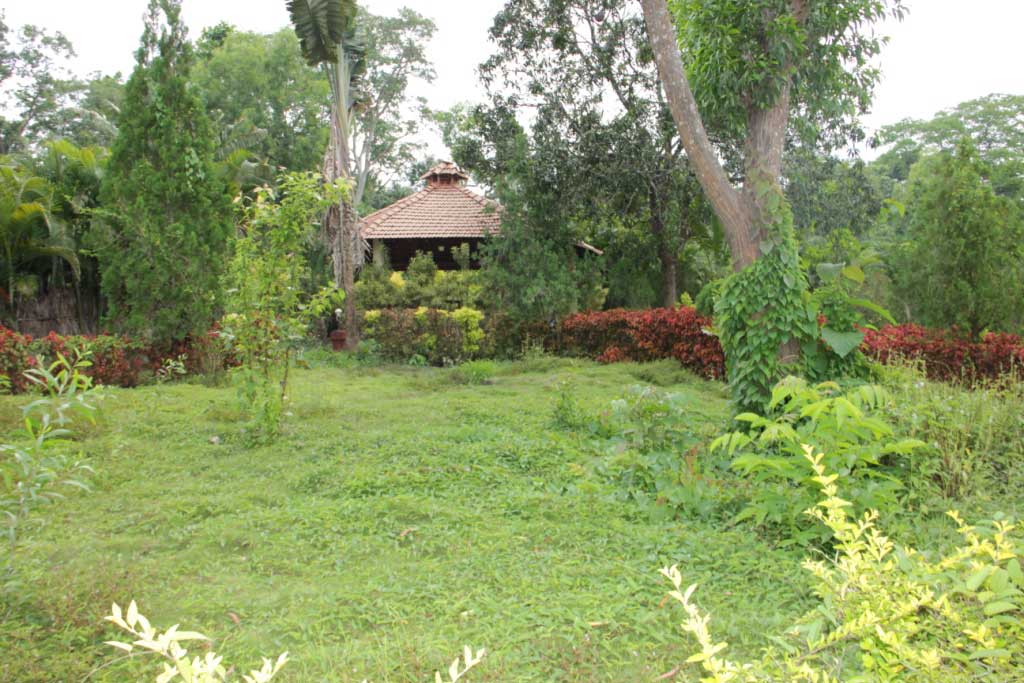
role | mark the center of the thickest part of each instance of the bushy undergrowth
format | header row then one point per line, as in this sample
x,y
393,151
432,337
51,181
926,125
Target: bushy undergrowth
x,y
474,372
973,436
850,426
648,449
887,614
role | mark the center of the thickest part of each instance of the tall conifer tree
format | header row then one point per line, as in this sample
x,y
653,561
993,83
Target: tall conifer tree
x,y
168,216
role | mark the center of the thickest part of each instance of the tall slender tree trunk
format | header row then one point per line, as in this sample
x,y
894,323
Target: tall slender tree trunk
x,y
732,208
667,255
350,234
341,231
669,274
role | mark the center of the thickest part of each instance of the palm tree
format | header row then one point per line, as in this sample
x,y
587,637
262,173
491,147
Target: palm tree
x,y
75,175
28,234
327,36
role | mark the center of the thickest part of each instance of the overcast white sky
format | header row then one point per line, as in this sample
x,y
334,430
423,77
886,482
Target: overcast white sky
x,y
945,52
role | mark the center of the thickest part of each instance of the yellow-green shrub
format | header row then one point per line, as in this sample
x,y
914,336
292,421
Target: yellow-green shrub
x,y
888,614
429,335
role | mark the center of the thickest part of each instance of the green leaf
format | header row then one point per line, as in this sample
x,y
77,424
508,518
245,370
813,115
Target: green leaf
x,y
999,607
975,580
828,272
854,274
869,305
321,26
843,343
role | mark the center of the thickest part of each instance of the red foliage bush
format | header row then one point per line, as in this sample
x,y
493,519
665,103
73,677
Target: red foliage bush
x,y
116,360
946,354
654,334
15,358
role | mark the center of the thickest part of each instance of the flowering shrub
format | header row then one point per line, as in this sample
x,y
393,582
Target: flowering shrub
x,y
654,334
946,354
438,336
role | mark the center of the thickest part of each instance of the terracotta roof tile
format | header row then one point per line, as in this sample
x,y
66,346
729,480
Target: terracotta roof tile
x,y
437,211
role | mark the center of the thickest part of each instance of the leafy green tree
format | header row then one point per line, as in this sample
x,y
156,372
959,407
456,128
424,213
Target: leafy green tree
x,y
531,271
620,165
963,261
994,124
828,194
386,122
167,214
36,87
751,65
263,98
91,121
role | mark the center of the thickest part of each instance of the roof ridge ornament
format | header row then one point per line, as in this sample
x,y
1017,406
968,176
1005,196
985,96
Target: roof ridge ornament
x,y
445,173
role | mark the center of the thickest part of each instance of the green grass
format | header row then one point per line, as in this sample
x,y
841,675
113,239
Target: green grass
x,y
401,516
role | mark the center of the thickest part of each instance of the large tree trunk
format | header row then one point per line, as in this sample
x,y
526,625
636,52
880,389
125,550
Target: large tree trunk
x,y
731,207
762,154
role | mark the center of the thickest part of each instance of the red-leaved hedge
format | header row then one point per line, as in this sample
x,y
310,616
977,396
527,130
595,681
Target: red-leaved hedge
x,y
116,360
946,354
623,335
608,337
653,334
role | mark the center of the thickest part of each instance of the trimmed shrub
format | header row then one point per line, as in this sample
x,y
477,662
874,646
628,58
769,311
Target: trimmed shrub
x,y
947,354
643,336
438,336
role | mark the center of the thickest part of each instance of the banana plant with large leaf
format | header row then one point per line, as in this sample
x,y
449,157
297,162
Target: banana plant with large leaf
x,y
327,31
28,233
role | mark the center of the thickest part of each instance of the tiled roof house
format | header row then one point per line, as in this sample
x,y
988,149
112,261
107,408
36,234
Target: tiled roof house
x,y
438,218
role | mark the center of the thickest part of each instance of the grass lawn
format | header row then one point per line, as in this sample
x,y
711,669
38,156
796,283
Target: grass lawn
x,y
400,517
